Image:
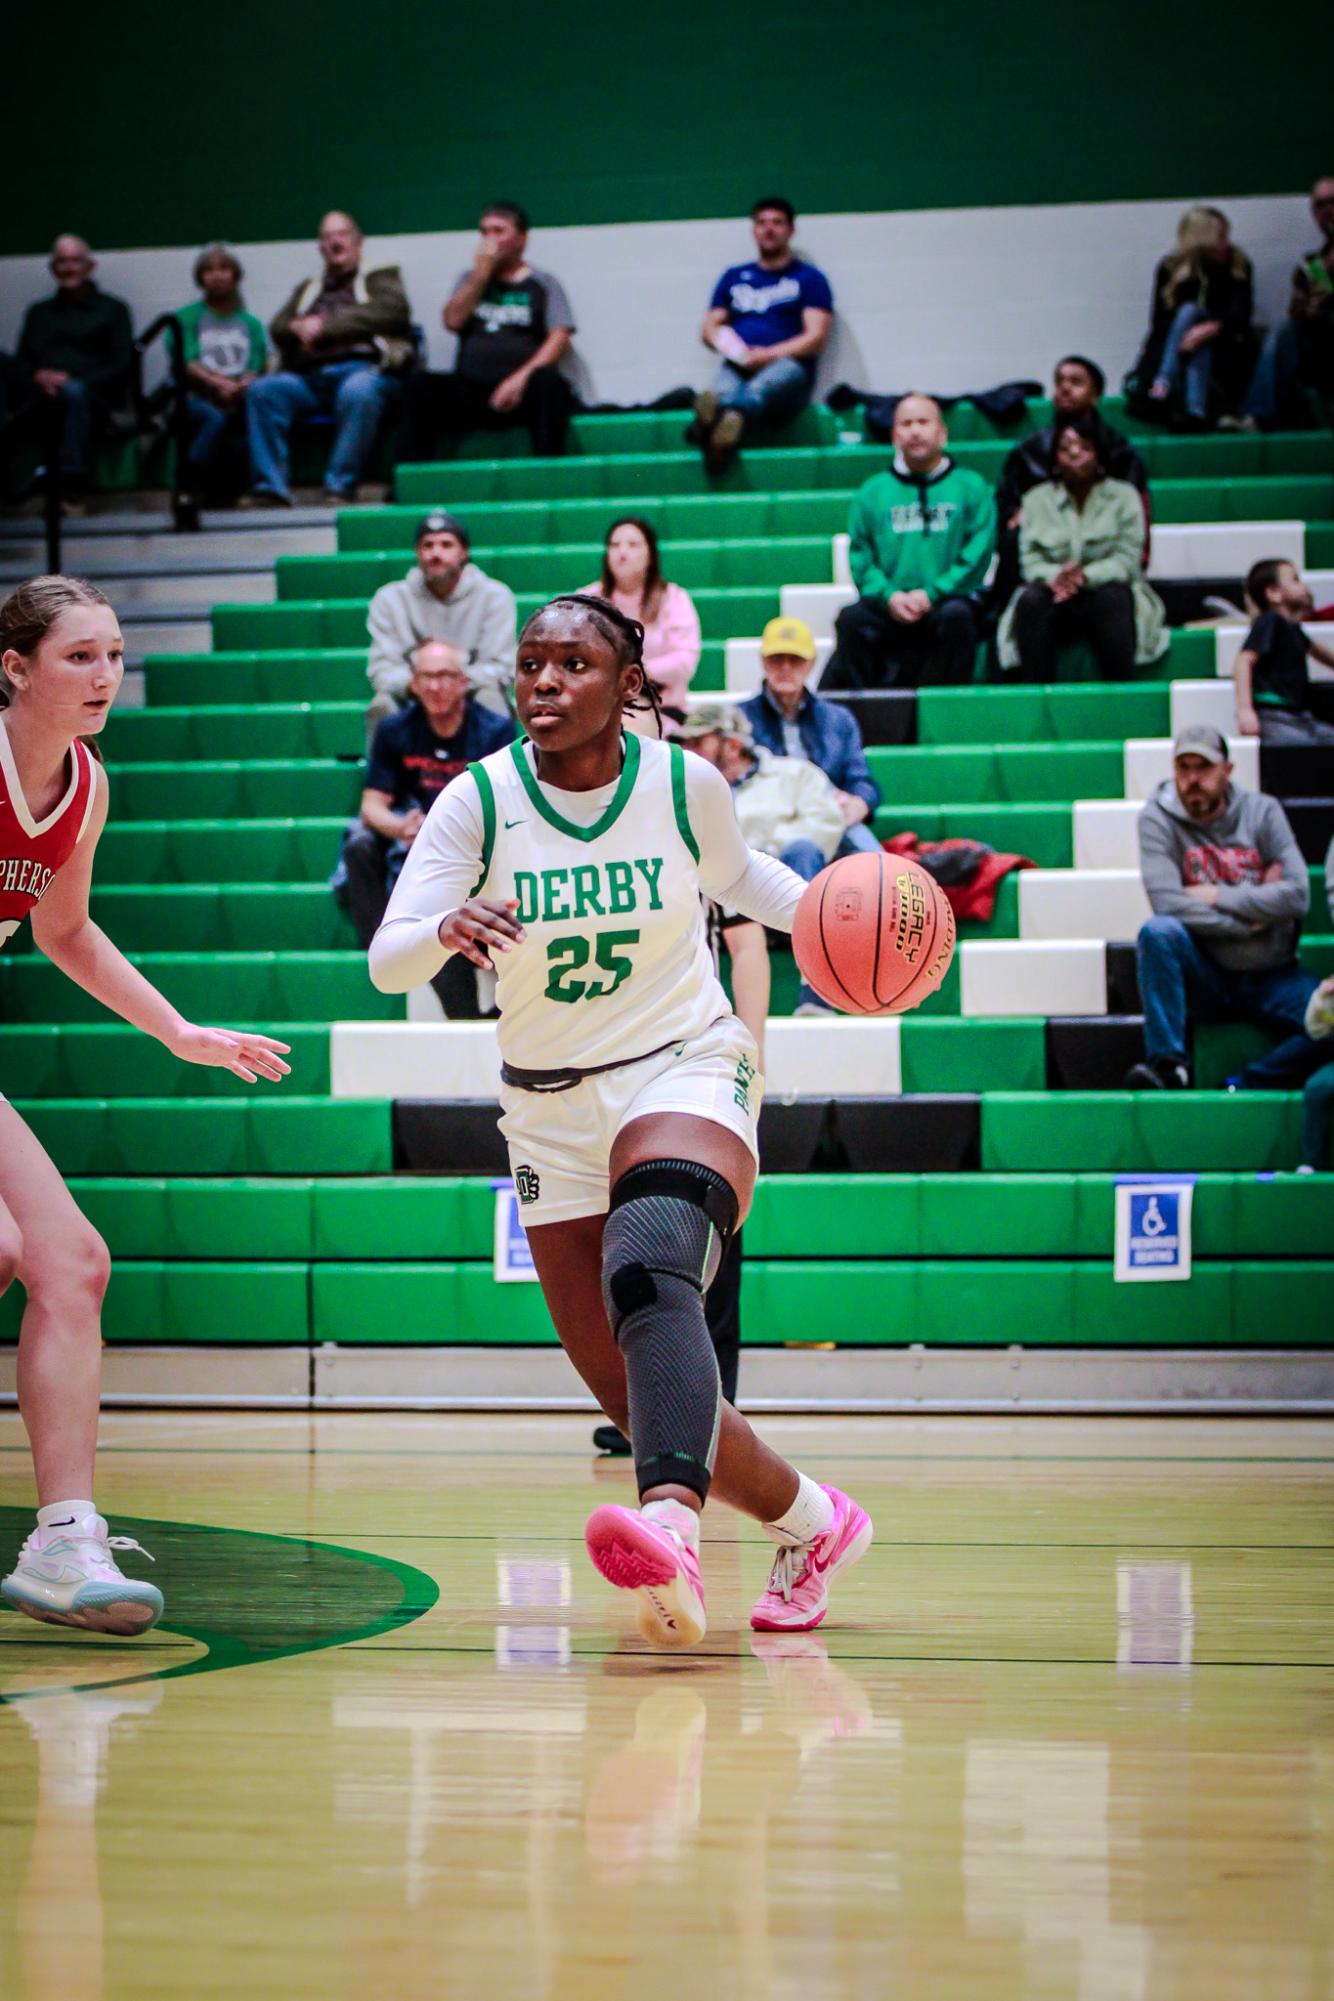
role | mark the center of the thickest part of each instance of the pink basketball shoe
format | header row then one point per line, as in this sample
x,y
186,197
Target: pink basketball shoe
x,y
796,1597
659,1563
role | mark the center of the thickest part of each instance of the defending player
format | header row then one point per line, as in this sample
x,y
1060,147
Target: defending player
x,y
630,1090
61,662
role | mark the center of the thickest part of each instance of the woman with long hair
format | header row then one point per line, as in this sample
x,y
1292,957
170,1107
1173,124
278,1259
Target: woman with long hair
x,y
575,862
1197,355
61,662
632,580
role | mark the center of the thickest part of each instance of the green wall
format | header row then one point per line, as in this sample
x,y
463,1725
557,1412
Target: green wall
x,y
175,124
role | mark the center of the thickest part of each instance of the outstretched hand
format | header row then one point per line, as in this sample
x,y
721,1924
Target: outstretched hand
x,y
247,1056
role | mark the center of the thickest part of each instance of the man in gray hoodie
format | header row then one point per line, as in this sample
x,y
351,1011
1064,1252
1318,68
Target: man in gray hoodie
x,y
1229,889
444,596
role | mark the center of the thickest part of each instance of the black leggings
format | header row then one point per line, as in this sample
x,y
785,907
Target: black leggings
x,y
1103,614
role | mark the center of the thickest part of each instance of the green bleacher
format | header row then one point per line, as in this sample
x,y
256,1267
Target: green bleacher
x,y
259,1216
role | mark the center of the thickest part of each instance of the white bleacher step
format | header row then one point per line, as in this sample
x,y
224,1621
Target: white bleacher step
x,y
1211,702
742,671
1186,549
1106,833
843,560
1081,903
459,1059
161,553
1018,976
1148,761
818,604
165,631
1228,642
182,594
239,523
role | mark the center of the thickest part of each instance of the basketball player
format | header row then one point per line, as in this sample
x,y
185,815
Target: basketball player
x,y
574,862
61,661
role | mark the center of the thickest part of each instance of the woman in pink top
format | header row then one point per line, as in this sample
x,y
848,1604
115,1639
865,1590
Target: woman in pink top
x,y
632,580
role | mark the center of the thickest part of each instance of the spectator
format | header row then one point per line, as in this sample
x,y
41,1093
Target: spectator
x,y
414,755
1305,1059
789,721
785,806
767,321
76,349
1080,541
225,351
343,339
1229,889
514,325
443,596
1272,684
1299,352
1198,352
632,580
923,534
1077,389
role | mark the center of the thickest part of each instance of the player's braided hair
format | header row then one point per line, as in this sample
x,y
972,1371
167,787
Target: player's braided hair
x,y
626,635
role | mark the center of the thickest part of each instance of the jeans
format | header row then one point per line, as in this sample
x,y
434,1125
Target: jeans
x,y
369,868
1194,371
355,392
874,650
777,391
1104,614
859,840
1318,1118
1274,383
806,860
1297,728
1177,976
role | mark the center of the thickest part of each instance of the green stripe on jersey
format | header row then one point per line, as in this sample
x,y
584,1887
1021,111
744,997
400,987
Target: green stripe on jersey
x,y
488,799
629,772
683,826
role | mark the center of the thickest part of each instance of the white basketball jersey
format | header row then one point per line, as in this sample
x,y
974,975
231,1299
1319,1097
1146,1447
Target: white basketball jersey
x,y
615,962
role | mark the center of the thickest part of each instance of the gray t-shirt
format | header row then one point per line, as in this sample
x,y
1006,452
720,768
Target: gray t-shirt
x,y
509,323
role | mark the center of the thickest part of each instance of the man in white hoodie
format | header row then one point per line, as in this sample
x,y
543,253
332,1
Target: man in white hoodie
x,y
444,596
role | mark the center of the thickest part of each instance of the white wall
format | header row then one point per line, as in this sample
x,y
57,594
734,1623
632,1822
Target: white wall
x,y
947,299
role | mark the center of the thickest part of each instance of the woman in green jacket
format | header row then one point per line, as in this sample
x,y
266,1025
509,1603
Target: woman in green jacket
x,y
1081,537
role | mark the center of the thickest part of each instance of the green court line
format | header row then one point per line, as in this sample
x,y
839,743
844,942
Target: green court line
x,y
887,1459
228,1647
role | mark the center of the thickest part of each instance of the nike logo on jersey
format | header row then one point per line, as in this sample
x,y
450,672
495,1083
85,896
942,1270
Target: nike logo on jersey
x,y
520,822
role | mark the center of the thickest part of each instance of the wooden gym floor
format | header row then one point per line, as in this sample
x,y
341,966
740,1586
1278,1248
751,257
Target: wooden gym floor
x,y
1068,1732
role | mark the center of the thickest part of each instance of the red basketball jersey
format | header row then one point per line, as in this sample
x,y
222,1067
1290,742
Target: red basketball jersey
x,y
31,851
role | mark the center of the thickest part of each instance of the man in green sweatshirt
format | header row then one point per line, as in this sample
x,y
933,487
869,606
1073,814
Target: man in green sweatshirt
x,y
76,348
923,535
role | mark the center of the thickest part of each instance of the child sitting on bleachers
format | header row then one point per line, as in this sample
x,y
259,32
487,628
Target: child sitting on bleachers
x,y
1270,675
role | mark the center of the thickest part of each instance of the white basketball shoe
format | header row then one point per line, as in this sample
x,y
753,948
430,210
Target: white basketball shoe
x,y
67,1575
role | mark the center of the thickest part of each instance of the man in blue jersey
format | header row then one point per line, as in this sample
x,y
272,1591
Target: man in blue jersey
x,y
767,322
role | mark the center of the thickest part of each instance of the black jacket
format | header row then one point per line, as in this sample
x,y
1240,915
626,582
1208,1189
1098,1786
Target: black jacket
x,y
1030,463
86,333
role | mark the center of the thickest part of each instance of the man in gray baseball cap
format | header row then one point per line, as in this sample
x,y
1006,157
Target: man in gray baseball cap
x,y
1228,887
444,596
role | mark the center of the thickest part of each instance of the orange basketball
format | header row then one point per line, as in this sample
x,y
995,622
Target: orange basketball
x,y
874,934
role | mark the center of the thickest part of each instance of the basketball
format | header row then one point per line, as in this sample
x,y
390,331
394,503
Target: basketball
x,y
874,934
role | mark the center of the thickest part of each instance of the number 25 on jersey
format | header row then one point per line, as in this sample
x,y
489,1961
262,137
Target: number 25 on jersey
x,y
569,955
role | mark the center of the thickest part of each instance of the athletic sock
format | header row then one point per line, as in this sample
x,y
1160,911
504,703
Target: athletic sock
x,y
809,1516
64,1514
674,1515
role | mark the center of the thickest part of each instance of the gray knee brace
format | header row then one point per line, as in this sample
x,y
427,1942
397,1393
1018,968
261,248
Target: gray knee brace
x,y
664,1237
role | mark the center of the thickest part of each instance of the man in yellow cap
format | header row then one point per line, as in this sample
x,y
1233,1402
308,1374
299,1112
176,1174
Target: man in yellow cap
x,y
789,721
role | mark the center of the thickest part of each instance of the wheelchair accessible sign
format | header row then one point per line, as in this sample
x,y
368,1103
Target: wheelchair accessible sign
x,y
1153,1227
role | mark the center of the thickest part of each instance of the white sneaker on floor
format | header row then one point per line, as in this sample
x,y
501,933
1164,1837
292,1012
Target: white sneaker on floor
x,y
68,1576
